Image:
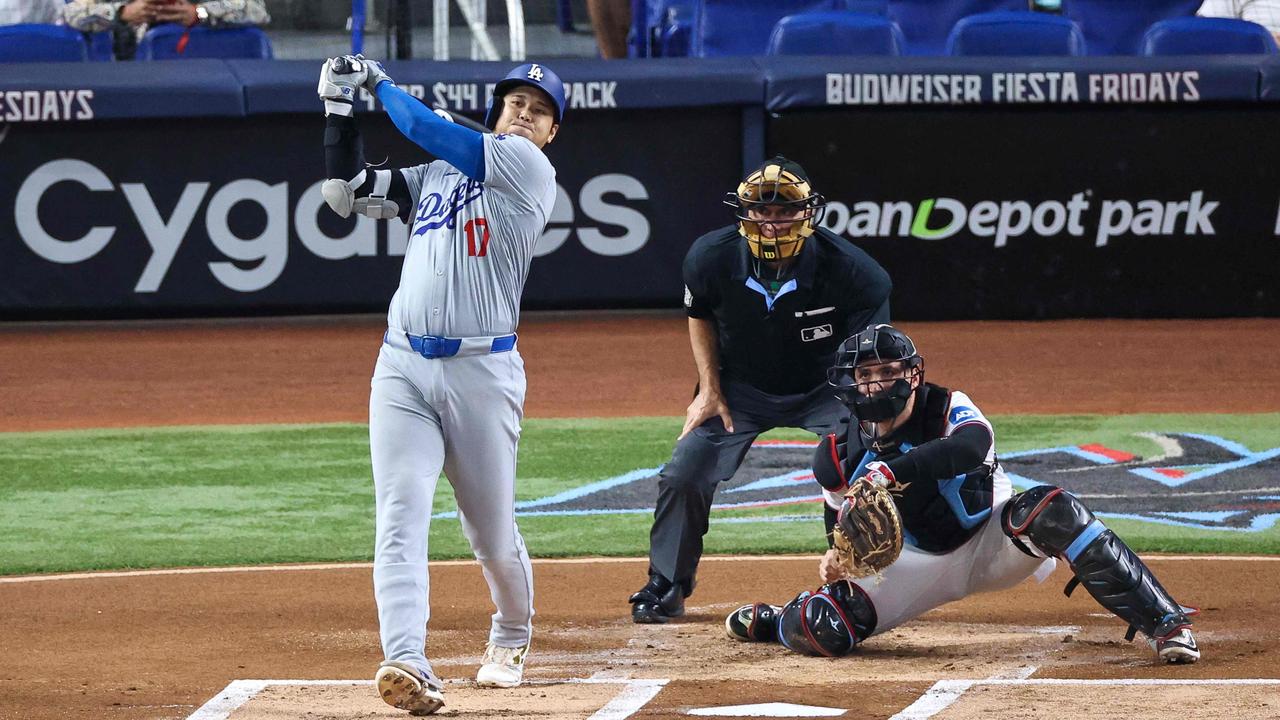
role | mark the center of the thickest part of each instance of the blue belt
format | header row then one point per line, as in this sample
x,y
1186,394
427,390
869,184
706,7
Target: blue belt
x,y
434,346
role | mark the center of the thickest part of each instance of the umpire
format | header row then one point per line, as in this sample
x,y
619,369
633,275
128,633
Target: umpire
x,y
769,300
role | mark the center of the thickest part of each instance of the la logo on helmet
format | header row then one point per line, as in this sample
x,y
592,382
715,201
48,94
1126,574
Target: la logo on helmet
x,y
535,73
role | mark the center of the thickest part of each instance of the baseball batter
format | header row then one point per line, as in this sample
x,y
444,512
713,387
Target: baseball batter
x,y
934,451
448,388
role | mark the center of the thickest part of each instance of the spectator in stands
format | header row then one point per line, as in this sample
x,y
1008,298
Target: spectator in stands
x,y
610,19
129,21
1264,12
19,12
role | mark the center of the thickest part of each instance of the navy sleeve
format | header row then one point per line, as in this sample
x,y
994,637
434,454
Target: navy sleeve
x,y
343,148
697,303
962,451
461,147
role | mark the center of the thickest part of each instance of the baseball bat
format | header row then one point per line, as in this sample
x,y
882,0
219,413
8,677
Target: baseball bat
x,y
463,120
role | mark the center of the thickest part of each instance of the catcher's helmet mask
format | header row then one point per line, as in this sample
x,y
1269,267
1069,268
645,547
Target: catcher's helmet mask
x,y
858,370
780,183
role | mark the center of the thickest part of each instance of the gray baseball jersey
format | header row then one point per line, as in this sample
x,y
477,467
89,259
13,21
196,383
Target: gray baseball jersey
x,y
471,243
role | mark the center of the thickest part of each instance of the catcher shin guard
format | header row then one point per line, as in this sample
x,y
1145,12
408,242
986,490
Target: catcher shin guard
x,y
1058,524
830,621
757,622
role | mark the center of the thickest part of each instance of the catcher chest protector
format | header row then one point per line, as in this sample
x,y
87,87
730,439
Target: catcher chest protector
x,y
829,621
1058,524
927,516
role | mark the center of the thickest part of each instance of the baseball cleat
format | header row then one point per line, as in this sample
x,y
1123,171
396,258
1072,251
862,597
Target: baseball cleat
x,y
405,687
502,667
1177,647
757,622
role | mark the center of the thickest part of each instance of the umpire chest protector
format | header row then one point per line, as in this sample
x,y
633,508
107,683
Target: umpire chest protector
x,y
780,336
939,514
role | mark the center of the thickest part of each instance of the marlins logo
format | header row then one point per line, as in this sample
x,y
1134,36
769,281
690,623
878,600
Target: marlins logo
x,y
535,73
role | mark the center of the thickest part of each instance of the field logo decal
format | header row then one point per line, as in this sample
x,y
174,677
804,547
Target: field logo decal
x,y
1194,481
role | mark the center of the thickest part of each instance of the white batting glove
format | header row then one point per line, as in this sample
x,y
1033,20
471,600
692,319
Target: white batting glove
x,y
375,74
340,77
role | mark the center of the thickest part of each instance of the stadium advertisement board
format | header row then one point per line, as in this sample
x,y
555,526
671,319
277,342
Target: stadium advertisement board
x,y
1033,213
202,217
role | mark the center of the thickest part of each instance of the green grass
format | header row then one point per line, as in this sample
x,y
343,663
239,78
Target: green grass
x,y
157,497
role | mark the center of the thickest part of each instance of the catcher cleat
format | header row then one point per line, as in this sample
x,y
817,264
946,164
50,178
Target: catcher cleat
x,y
658,601
502,667
1177,647
405,687
753,623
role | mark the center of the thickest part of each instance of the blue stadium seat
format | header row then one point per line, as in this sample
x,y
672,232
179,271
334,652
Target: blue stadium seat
x,y
1015,33
1208,36
1115,27
41,43
664,28
868,7
641,31
101,46
675,40
836,33
742,27
927,23
671,30
161,43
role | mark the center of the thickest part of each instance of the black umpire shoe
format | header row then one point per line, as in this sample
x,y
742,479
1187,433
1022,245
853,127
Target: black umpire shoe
x,y
659,600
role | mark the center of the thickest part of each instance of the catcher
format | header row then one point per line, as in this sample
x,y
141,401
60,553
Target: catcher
x,y
916,466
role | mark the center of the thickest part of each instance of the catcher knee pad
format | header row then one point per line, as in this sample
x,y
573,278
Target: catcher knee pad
x,y
757,622
1059,525
830,621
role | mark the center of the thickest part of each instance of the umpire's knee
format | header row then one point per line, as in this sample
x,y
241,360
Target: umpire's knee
x,y
693,464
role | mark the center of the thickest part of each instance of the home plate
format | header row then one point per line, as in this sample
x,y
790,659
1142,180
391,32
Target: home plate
x,y
773,709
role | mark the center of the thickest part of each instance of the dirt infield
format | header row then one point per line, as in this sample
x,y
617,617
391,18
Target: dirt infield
x,y
161,645
600,365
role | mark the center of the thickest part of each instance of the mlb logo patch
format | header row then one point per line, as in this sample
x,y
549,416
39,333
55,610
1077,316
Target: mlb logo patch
x,y
815,333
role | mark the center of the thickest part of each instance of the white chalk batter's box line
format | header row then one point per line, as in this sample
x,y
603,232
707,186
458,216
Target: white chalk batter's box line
x,y
631,698
946,692
637,693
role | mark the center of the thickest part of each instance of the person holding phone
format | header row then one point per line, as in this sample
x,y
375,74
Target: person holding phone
x,y
129,21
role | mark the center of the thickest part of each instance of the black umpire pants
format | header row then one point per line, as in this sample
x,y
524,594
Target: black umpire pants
x,y
709,455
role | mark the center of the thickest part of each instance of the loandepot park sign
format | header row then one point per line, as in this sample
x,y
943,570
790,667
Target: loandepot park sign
x,y
1078,216
1195,481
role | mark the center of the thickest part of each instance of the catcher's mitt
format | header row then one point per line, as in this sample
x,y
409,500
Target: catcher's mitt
x,y
868,532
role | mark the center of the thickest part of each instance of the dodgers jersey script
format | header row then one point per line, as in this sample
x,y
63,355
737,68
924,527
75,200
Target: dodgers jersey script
x,y
456,282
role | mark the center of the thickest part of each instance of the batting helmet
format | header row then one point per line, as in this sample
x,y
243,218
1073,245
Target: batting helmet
x,y
534,75
875,345
778,181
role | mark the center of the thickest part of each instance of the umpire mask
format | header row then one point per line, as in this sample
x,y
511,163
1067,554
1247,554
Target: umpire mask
x,y
781,184
862,362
